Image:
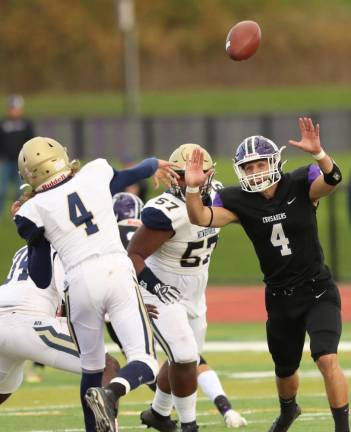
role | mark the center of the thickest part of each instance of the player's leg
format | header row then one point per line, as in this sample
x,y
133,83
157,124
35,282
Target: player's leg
x,y
324,328
285,341
115,339
158,415
11,375
174,333
131,324
31,338
130,321
211,386
85,312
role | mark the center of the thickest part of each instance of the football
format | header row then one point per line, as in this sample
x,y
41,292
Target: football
x,y
243,40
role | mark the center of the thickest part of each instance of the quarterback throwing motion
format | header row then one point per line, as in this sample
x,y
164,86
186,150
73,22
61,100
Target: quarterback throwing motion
x,y
278,213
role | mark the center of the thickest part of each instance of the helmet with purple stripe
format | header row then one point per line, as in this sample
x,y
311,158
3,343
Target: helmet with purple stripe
x,y
256,148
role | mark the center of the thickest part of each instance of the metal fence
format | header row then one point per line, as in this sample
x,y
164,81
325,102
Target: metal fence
x,y
131,139
125,138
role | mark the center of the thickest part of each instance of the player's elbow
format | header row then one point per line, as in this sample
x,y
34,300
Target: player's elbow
x,y
196,219
41,279
137,260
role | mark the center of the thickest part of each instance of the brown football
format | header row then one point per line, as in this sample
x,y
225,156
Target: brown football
x,y
243,40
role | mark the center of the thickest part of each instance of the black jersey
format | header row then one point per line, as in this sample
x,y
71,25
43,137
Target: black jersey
x,y
126,232
283,230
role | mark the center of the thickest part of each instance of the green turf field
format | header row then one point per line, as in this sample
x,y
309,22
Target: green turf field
x,y
234,260
54,404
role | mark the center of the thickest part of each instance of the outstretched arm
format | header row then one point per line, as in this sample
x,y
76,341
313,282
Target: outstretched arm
x,y
198,213
310,143
160,170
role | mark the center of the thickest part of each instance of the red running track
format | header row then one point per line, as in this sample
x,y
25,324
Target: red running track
x,y
246,304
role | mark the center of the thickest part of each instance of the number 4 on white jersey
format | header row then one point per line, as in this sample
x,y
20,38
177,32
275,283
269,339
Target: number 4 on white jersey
x,y
278,239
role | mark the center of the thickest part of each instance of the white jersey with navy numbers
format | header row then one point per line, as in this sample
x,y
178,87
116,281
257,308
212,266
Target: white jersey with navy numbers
x,y
78,215
189,250
18,293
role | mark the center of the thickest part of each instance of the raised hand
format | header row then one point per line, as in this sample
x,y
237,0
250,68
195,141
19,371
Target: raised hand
x,y
194,174
310,141
164,174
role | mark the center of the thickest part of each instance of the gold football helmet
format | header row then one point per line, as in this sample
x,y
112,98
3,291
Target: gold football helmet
x,y
43,163
179,157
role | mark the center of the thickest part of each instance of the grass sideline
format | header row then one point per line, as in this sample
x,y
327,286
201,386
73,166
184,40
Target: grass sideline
x,y
186,102
53,405
234,260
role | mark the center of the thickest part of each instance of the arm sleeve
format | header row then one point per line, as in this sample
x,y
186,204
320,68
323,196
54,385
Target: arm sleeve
x,y
127,177
29,222
30,227
155,219
39,263
28,230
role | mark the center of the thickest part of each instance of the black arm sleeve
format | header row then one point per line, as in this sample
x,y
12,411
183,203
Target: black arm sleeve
x,y
39,263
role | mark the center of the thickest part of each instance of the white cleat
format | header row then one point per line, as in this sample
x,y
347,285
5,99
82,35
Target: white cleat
x,y
233,419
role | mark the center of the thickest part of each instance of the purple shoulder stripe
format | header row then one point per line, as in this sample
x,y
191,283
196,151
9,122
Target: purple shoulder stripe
x,y
313,172
217,201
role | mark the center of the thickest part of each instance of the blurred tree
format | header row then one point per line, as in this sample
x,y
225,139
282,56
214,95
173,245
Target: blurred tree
x,y
73,44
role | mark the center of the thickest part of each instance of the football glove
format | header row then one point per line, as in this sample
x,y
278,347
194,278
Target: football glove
x,y
165,292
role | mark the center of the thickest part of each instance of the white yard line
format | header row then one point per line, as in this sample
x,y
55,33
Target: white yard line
x,y
254,346
309,417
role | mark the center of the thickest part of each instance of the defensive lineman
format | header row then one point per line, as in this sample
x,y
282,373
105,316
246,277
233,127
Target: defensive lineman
x,y
172,257
72,210
127,208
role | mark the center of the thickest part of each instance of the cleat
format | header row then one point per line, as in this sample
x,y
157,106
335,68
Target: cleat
x,y
189,427
101,402
282,424
162,424
233,419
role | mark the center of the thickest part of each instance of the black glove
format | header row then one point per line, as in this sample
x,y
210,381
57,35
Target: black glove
x,y
166,293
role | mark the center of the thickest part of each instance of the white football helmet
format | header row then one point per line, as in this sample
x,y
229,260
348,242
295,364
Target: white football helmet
x,y
256,148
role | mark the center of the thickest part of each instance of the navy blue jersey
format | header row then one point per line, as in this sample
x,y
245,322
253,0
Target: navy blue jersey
x,y
283,230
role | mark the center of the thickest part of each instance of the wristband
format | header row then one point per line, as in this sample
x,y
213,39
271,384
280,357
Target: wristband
x,y
190,189
319,155
148,280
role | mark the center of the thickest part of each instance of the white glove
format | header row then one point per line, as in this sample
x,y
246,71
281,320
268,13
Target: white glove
x,y
168,294
233,419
